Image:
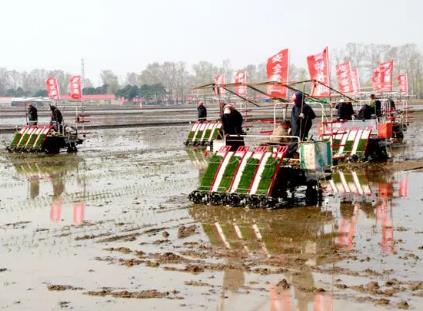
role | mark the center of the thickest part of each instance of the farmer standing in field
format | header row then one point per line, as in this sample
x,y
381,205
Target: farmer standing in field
x,y
202,112
232,127
32,115
302,116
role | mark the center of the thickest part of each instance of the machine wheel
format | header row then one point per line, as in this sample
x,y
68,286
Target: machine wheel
x,y
72,148
312,193
52,149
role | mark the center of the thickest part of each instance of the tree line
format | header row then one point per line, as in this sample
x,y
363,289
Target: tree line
x,y
176,79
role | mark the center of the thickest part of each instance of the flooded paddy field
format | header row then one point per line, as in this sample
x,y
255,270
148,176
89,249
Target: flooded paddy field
x,y
111,228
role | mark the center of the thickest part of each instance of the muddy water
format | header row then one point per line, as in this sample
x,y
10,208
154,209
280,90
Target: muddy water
x,y
110,228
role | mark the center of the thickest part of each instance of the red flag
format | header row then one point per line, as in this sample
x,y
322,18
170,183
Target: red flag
x,y
355,80
241,77
403,84
343,74
75,88
219,80
52,88
382,77
318,67
277,70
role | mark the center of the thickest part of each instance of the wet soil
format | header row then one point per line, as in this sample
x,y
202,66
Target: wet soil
x,y
111,228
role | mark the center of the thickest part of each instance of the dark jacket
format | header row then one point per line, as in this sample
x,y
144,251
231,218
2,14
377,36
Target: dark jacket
x,y
232,123
202,113
32,114
366,112
56,116
378,108
301,126
345,111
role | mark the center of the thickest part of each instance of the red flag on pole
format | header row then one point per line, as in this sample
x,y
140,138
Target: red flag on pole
x,y
318,67
343,75
219,80
52,88
241,77
355,80
403,84
277,70
75,88
382,77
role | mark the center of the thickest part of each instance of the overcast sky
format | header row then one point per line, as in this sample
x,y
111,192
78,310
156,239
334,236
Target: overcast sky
x,y
126,35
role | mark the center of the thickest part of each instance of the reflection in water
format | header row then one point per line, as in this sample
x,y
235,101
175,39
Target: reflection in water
x,y
303,234
57,170
308,234
370,191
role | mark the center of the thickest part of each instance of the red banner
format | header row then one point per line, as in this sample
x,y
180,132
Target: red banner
x,y
219,80
355,80
277,70
382,77
343,75
318,67
75,92
52,88
241,77
403,84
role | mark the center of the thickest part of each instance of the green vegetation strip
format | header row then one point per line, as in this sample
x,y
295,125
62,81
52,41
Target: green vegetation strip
x,y
198,136
247,175
16,139
191,135
228,174
361,145
216,134
348,146
267,175
207,134
208,177
40,141
24,140
32,140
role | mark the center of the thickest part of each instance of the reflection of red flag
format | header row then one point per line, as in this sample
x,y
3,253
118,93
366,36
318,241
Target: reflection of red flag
x,y
318,67
75,88
343,75
56,210
241,77
280,300
383,217
403,84
346,231
52,88
277,70
382,77
403,189
219,80
78,213
385,190
323,302
355,80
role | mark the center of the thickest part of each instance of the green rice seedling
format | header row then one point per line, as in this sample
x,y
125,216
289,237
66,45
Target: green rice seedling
x,y
267,175
247,175
209,174
228,174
